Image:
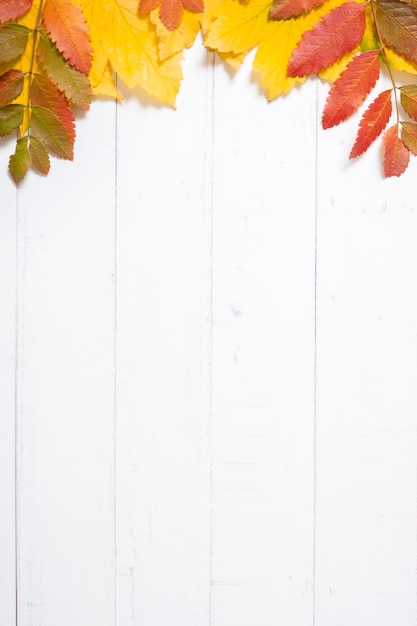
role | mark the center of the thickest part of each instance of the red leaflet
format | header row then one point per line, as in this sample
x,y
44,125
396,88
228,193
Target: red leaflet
x,y
12,9
409,136
409,100
44,93
351,88
396,154
171,10
373,122
397,25
336,34
285,9
68,29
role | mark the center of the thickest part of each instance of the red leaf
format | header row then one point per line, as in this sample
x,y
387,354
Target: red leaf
x,y
373,122
351,88
409,100
12,9
409,136
397,25
336,34
396,154
171,11
44,93
11,85
68,29
285,9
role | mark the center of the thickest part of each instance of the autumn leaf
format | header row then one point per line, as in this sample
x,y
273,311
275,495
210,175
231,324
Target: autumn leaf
x,y
39,156
373,122
338,32
20,161
44,93
396,153
67,28
171,11
174,42
11,116
13,9
397,24
409,136
128,42
13,41
73,83
285,9
11,85
49,130
409,100
351,88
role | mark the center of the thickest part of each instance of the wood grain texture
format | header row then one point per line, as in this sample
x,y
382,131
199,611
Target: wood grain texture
x,y
208,356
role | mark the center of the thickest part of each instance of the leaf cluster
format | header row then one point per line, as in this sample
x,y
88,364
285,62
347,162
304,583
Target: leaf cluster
x,y
55,55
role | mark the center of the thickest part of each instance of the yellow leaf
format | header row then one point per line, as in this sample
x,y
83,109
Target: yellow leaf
x,y
171,42
129,43
399,63
107,86
233,26
277,44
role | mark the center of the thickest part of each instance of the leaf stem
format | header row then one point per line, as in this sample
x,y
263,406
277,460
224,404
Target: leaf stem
x,y
29,75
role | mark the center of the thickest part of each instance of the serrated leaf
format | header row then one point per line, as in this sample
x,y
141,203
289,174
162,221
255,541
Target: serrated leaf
x,y
285,9
351,88
39,155
409,100
171,11
11,116
20,161
11,85
13,40
13,9
129,43
396,153
67,28
74,84
373,122
409,136
173,42
397,25
50,131
338,32
44,93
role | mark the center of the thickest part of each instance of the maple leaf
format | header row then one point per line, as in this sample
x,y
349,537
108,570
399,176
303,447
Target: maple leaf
x,y
173,42
373,122
171,11
285,9
409,100
397,24
396,153
409,136
338,32
20,161
67,28
128,42
13,9
11,85
351,88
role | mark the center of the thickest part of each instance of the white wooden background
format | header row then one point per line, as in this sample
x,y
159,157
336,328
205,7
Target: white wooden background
x,y
208,383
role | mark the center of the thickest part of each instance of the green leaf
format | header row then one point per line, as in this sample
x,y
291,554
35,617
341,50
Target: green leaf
x,y
13,40
11,85
11,116
44,93
20,161
74,84
49,129
39,155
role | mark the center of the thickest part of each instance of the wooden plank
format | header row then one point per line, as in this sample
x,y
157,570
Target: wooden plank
x,y
66,385
163,357
263,355
7,391
367,395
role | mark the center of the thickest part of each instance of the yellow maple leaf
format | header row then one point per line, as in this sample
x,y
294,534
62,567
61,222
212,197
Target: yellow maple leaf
x,y
128,42
171,42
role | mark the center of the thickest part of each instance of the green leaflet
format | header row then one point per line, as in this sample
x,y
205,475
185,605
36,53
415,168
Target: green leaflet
x,y
13,40
11,116
49,129
74,84
20,161
39,155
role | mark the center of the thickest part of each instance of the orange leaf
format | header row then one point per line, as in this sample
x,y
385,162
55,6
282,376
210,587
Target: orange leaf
x,y
409,100
396,154
285,9
171,11
12,9
67,28
351,88
337,33
44,93
373,122
409,136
